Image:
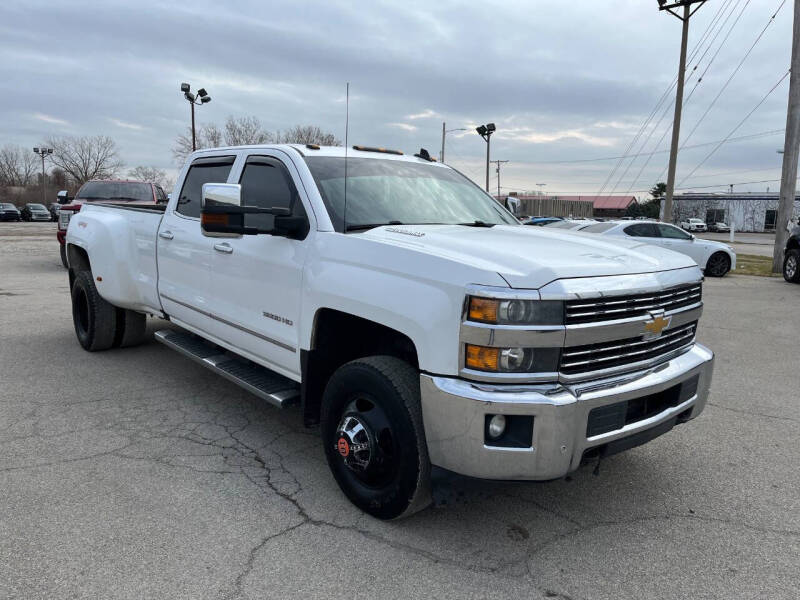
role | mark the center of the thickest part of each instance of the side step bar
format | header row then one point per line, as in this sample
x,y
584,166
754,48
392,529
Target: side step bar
x,y
268,385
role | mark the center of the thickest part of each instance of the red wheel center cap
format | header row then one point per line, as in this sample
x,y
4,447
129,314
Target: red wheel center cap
x,y
343,447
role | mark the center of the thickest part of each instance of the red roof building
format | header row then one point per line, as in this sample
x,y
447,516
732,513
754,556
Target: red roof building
x,y
605,206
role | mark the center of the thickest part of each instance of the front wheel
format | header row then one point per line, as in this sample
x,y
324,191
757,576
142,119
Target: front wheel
x,y
718,264
373,436
791,266
63,253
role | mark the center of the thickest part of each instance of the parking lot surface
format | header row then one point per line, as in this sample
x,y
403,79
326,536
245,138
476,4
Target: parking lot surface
x,y
138,474
760,244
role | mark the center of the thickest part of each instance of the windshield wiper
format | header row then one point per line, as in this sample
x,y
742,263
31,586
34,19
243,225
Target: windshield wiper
x,y
364,226
478,224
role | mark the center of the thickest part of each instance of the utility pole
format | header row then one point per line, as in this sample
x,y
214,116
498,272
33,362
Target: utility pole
x,y
791,149
497,168
676,123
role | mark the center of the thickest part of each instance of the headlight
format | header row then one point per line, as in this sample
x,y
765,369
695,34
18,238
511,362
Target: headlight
x,y
511,360
515,311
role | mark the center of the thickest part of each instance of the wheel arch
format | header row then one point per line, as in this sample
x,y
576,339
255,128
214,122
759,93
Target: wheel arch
x,y
78,260
337,338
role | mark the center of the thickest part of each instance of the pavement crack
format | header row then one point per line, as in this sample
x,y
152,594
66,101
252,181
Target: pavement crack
x,y
754,413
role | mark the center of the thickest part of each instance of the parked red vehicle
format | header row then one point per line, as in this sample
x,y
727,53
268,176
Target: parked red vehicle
x,y
111,191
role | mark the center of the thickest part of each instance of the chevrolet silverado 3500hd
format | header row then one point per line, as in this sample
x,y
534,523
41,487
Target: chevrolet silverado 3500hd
x,y
410,315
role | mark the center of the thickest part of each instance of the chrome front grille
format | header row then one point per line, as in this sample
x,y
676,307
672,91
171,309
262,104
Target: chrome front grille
x,y
624,307
596,357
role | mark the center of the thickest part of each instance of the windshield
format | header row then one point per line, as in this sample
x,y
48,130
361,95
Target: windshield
x,y
599,228
383,192
36,207
128,191
7,205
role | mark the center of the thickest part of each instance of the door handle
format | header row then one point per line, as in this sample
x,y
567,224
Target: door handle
x,y
223,247
167,235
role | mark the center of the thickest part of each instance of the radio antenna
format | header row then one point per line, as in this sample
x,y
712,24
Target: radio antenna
x,y
346,132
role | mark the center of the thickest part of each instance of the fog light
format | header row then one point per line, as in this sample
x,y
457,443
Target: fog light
x,y
497,426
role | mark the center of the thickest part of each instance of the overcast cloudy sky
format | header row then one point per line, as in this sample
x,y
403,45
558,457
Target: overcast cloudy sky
x,y
564,80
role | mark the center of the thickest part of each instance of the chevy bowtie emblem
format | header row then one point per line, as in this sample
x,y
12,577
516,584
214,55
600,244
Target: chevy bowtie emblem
x,y
654,328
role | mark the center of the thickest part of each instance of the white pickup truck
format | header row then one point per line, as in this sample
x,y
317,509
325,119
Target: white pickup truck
x,y
411,316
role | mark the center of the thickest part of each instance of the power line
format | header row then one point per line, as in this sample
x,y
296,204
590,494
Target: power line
x,y
604,158
735,71
660,101
769,21
691,93
691,187
720,174
747,116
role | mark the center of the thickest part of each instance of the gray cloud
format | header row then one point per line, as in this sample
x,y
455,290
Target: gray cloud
x,y
562,80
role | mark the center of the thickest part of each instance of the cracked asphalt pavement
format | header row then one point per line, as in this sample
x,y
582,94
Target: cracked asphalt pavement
x,y
138,474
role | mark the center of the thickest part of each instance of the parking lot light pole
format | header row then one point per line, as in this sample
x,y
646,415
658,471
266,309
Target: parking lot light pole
x,y
201,98
486,131
43,152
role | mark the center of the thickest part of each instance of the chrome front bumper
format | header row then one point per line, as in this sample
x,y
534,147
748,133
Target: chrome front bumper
x,y
454,412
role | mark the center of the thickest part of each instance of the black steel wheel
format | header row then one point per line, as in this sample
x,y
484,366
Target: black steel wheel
x,y
95,319
718,264
791,266
373,436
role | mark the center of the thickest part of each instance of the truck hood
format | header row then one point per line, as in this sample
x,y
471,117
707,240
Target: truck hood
x,y
530,257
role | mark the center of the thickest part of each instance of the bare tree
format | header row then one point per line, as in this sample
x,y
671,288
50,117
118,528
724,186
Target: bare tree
x,y
244,131
153,174
18,168
85,157
307,134
207,136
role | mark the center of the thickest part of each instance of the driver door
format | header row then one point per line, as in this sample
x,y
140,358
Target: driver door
x,y
256,280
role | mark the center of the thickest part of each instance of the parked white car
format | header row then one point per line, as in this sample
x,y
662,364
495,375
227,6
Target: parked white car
x,y
694,225
715,258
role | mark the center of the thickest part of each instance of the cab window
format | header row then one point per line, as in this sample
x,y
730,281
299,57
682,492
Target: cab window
x,y
203,170
668,231
642,230
161,197
267,183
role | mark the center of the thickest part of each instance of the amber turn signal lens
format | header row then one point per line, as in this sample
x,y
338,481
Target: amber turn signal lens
x,y
214,219
483,309
482,358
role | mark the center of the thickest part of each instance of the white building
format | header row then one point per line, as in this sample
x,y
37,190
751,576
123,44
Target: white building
x,y
750,211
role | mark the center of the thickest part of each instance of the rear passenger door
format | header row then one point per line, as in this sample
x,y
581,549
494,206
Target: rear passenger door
x,y
256,280
184,253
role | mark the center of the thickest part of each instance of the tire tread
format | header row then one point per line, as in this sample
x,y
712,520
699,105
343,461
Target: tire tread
x,y
103,315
